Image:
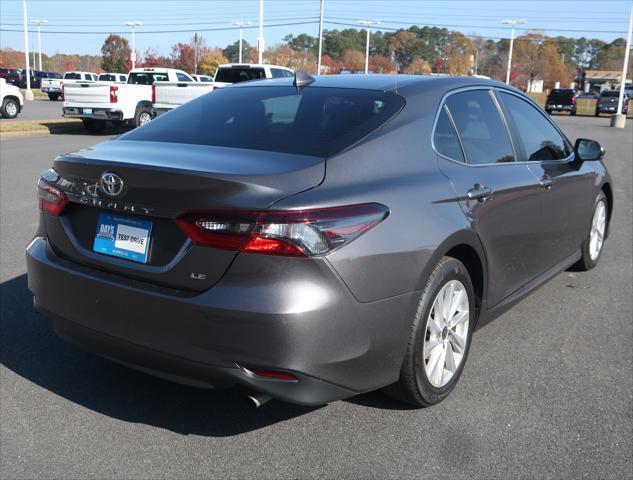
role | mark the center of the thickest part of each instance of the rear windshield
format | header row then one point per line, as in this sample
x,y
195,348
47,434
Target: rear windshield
x,y
313,121
561,93
72,76
610,93
236,75
54,75
147,78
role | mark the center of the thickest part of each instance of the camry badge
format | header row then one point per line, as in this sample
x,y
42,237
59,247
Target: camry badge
x,y
111,184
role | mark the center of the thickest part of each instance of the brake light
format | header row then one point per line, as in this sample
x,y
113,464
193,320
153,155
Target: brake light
x,y
300,233
153,94
51,199
114,98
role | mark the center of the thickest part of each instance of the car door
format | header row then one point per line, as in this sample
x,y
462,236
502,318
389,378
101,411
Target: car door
x,y
499,196
567,196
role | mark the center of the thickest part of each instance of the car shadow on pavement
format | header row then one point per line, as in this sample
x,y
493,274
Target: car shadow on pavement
x,y
30,348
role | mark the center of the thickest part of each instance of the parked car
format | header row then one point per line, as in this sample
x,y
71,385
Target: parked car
x,y
230,73
11,100
97,103
202,78
5,72
52,85
561,100
608,102
112,77
70,77
312,239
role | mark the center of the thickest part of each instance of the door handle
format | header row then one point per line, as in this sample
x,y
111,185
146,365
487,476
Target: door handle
x,y
479,192
546,182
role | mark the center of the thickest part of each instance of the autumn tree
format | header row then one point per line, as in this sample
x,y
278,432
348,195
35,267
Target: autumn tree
x,y
459,53
418,66
285,56
115,53
151,58
403,44
186,56
381,64
353,60
212,60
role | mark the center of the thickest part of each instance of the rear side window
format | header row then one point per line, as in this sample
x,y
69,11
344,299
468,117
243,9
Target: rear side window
x,y
122,78
313,121
106,78
538,137
445,137
481,130
236,75
146,78
183,78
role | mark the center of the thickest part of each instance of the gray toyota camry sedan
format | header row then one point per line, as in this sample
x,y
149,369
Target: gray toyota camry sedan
x,y
313,239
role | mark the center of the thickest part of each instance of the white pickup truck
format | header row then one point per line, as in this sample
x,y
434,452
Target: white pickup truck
x,y
53,84
11,100
97,103
169,95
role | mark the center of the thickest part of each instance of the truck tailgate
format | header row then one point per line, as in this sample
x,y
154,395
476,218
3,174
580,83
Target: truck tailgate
x,y
86,94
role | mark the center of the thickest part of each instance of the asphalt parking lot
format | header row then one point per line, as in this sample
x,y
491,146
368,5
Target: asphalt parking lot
x,y
547,391
39,109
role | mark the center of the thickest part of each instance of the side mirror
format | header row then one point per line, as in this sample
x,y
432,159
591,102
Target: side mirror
x,y
586,149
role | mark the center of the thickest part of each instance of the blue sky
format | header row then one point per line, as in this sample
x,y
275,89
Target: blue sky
x,y
605,19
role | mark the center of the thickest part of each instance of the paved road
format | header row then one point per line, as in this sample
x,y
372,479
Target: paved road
x,y
547,392
39,109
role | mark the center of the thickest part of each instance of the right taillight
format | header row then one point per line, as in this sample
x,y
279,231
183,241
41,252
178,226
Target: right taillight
x,y
153,94
52,200
300,233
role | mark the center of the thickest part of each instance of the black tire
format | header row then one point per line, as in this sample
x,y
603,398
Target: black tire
x,y
53,97
596,113
586,262
141,115
573,113
94,126
10,108
414,387
549,111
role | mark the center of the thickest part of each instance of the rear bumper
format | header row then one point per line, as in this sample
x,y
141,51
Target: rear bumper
x,y
561,108
306,323
51,90
96,113
610,108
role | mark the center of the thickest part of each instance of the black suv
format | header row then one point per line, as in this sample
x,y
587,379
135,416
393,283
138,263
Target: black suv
x,y
561,100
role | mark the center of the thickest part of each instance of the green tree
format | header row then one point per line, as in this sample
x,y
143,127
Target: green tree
x,y
232,52
302,42
115,53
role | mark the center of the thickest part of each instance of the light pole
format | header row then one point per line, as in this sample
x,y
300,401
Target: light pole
x,y
367,24
619,119
242,24
260,39
513,23
320,39
133,25
29,94
39,24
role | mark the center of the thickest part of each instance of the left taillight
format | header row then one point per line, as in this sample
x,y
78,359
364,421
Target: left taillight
x,y
301,233
52,200
114,96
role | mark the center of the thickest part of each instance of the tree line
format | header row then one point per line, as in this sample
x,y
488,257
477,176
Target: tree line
x,y
418,50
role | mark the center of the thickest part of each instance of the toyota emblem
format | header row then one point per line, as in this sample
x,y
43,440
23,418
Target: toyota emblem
x,y
111,184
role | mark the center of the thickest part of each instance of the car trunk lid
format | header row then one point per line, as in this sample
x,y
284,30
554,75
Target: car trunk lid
x,y
162,182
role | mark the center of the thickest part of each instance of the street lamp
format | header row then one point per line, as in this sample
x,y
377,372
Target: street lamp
x,y
513,23
242,24
367,24
39,24
260,39
133,25
619,119
28,95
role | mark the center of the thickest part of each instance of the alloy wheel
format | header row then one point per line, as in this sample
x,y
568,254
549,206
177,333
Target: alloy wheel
x,y
446,333
598,227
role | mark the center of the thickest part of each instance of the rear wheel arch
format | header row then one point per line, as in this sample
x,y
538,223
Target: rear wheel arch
x,y
466,247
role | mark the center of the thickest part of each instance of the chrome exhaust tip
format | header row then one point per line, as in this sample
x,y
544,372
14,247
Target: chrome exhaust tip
x,y
258,399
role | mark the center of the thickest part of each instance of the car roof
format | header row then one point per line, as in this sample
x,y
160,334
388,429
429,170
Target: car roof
x,y
384,82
